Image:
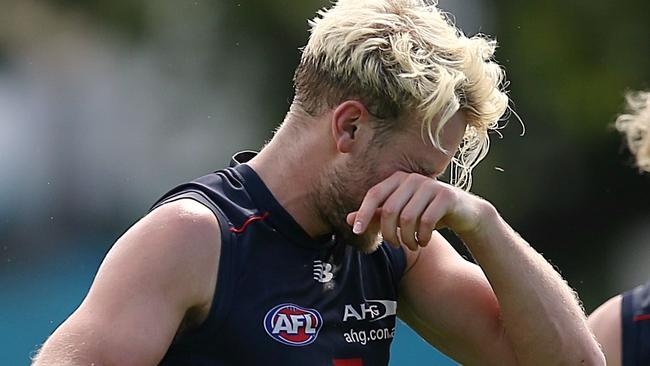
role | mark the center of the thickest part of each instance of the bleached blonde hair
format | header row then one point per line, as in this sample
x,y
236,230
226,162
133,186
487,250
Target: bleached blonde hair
x,y
404,58
635,126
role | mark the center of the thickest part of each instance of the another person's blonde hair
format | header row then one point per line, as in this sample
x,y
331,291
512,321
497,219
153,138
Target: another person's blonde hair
x,y
635,126
401,57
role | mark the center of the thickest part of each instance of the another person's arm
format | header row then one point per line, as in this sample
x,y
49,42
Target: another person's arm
x,y
605,322
513,309
159,274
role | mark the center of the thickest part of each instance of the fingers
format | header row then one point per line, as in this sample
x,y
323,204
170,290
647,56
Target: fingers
x,y
391,211
410,217
406,207
434,212
374,199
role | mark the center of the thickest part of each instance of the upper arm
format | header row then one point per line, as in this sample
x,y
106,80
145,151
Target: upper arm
x,y
605,322
161,269
451,304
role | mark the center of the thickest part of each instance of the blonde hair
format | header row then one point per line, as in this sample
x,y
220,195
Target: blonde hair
x,y
635,126
404,57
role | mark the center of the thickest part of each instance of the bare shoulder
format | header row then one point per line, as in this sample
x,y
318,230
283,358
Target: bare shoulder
x,y
179,240
183,215
605,322
184,227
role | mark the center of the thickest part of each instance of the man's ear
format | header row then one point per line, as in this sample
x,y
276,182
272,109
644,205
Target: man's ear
x,y
347,118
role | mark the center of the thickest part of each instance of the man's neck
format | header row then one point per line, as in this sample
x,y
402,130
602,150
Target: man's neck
x,y
292,173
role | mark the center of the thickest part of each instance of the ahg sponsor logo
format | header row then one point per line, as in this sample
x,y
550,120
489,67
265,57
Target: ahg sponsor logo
x,y
365,336
371,310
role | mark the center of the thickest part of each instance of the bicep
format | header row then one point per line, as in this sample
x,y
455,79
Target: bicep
x,y
162,267
450,303
605,322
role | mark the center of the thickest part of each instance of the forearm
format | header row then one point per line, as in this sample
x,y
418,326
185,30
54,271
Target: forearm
x,y
57,359
537,310
62,350
80,343
541,314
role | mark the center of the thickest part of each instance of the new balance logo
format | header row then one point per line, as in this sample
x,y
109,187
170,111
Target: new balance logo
x,y
323,271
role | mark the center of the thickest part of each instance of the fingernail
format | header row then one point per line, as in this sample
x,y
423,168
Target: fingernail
x,y
357,227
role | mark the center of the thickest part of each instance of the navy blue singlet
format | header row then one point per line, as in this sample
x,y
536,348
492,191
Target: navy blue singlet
x,y
282,297
635,318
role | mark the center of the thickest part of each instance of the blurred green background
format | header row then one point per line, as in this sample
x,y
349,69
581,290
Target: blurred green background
x,y
104,105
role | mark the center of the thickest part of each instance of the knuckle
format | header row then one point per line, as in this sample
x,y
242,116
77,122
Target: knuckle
x,y
432,184
388,211
414,177
447,193
407,218
373,193
398,176
427,188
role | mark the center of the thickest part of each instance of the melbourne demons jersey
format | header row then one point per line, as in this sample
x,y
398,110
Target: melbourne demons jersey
x,y
283,297
635,319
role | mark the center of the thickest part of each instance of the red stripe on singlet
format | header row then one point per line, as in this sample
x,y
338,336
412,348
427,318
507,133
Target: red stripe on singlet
x,y
248,221
638,318
348,362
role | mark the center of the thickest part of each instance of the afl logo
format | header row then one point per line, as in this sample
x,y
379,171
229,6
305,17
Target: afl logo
x,y
293,325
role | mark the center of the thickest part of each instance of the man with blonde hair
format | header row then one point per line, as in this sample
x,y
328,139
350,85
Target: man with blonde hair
x,y
278,259
622,324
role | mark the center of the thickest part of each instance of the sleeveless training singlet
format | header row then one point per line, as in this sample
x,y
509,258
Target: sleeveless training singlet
x,y
635,317
282,297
